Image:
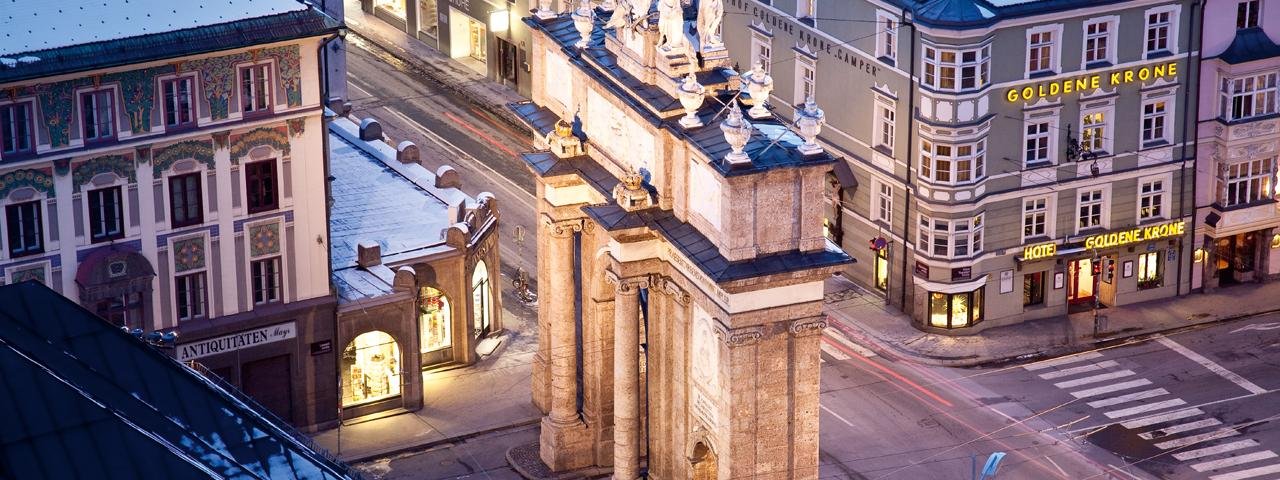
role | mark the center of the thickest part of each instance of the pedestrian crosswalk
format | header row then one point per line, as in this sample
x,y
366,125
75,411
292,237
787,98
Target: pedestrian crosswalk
x,y
1186,433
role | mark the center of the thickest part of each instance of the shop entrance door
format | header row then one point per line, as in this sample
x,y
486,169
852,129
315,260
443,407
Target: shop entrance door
x,y
478,45
882,269
1235,258
1080,282
508,62
268,381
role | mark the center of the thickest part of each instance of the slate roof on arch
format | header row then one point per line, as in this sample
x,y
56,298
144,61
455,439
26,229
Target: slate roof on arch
x,y
964,14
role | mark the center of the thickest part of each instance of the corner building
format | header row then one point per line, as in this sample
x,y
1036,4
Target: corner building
x,y
1239,140
681,256
998,153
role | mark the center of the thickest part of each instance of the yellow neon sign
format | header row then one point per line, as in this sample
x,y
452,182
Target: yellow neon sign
x,y
1091,82
1036,252
1134,235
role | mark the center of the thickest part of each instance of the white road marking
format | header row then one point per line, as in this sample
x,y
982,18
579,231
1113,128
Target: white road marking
x,y
1214,450
1121,470
1258,326
859,349
836,354
1211,365
1161,418
1194,439
1115,387
1144,408
1233,461
1250,473
1055,465
1126,398
1185,427
1094,379
1066,372
837,415
1062,361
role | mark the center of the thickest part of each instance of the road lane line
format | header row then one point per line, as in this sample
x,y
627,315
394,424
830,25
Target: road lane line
x,y
1211,365
891,373
1129,397
859,349
467,125
1094,379
1055,465
1115,387
1214,450
1194,439
1067,372
1062,361
837,415
1233,461
1250,473
836,354
1161,418
1144,408
1184,427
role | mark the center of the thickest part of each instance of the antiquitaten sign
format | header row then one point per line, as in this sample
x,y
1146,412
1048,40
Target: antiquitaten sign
x,y
237,341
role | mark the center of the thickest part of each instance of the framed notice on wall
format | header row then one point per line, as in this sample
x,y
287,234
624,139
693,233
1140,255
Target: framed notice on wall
x,y
1128,268
1006,281
1057,280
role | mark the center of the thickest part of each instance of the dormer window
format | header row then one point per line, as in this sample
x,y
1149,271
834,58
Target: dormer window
x,y
1247,14
255,88
15,129
178,107
98,112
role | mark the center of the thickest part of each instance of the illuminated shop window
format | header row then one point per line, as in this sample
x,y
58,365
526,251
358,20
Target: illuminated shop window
x,y
435,319
1150,270
370,369
481,299
394,7
882,269
955,310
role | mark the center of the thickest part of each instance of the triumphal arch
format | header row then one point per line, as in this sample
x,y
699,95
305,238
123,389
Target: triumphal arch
x,y
681,253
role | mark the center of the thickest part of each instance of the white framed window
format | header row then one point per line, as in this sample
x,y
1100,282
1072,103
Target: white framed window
x,y
1247,182
1095,131
1042,49
1247,13
1152,198
807,9
806,79
1161,31
1099,41
1248,96
887,36
191,295
762,51
1091,209
885,123
1038,144
1155,121
954,164
954,238
884,202
1035,218
957,70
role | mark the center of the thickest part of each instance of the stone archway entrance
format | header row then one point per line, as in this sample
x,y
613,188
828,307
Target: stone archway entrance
x,y
704,462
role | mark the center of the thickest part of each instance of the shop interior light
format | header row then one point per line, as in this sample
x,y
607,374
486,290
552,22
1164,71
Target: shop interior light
x,y
499,20
1199,255
1275,241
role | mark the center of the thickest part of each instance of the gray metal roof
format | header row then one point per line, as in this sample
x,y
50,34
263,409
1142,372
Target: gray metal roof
x,y
965,14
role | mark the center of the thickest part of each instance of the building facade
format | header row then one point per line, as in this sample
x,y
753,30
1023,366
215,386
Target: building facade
x,y
1239,140
1005,162
415,267
681,255
172,180
485,35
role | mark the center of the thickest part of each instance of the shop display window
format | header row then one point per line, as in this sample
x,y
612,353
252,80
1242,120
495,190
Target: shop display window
x,y
394,7
481,299
370,369
1150,270
955,310
434,318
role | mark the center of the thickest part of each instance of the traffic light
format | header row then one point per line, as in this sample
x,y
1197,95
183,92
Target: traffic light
x,y
1097,267
1111,269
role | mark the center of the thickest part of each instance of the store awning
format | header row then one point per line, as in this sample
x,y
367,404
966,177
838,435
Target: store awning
x,y
844,174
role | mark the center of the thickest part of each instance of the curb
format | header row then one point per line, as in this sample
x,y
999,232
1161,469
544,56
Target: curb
x,y
437,442
1046,352
434,74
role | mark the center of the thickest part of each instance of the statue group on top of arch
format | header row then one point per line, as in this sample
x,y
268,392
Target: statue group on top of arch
x,y
671,24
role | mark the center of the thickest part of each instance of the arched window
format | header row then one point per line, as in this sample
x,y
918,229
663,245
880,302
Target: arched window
x,y
434,318
370,369
481,299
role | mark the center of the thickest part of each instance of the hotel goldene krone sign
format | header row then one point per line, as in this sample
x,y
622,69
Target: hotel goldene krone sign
x,y
1091,82
1111,239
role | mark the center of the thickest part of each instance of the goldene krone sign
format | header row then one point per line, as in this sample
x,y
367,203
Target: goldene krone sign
x,y
1135,235
1091,82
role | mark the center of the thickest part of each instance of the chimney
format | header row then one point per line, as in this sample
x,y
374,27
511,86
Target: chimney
x,y
368,254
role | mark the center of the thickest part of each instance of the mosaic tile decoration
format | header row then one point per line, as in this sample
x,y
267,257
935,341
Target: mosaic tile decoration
x,y
264,239
188,254
218,80
297,126
164,157
24,274
37,179
137,87
118,164
240,145
56,103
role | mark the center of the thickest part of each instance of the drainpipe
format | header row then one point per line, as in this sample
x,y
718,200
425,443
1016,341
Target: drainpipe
x,y
323,65
911,159
1194,45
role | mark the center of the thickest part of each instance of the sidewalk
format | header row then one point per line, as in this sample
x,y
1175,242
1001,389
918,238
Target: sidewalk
x,y
863,317
447,72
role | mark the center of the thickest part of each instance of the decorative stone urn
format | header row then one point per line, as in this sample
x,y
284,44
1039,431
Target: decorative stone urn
x,y
809,121
758,84
737,131
544,10
692,95
583,21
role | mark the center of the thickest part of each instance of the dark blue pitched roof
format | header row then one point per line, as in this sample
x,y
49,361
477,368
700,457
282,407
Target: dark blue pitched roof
x,y
1250,44
84,399
963,14
178,43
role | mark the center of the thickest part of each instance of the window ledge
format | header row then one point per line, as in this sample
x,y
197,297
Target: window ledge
x,y
1155,144
1098,64
1158,54
1040,74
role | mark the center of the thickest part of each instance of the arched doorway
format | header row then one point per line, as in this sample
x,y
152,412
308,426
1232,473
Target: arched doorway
x,y
704,462
370,369
435,321
116,284
481,299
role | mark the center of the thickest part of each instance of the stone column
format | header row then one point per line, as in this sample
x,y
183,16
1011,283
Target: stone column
x,y
563,438
626,376
1262,256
